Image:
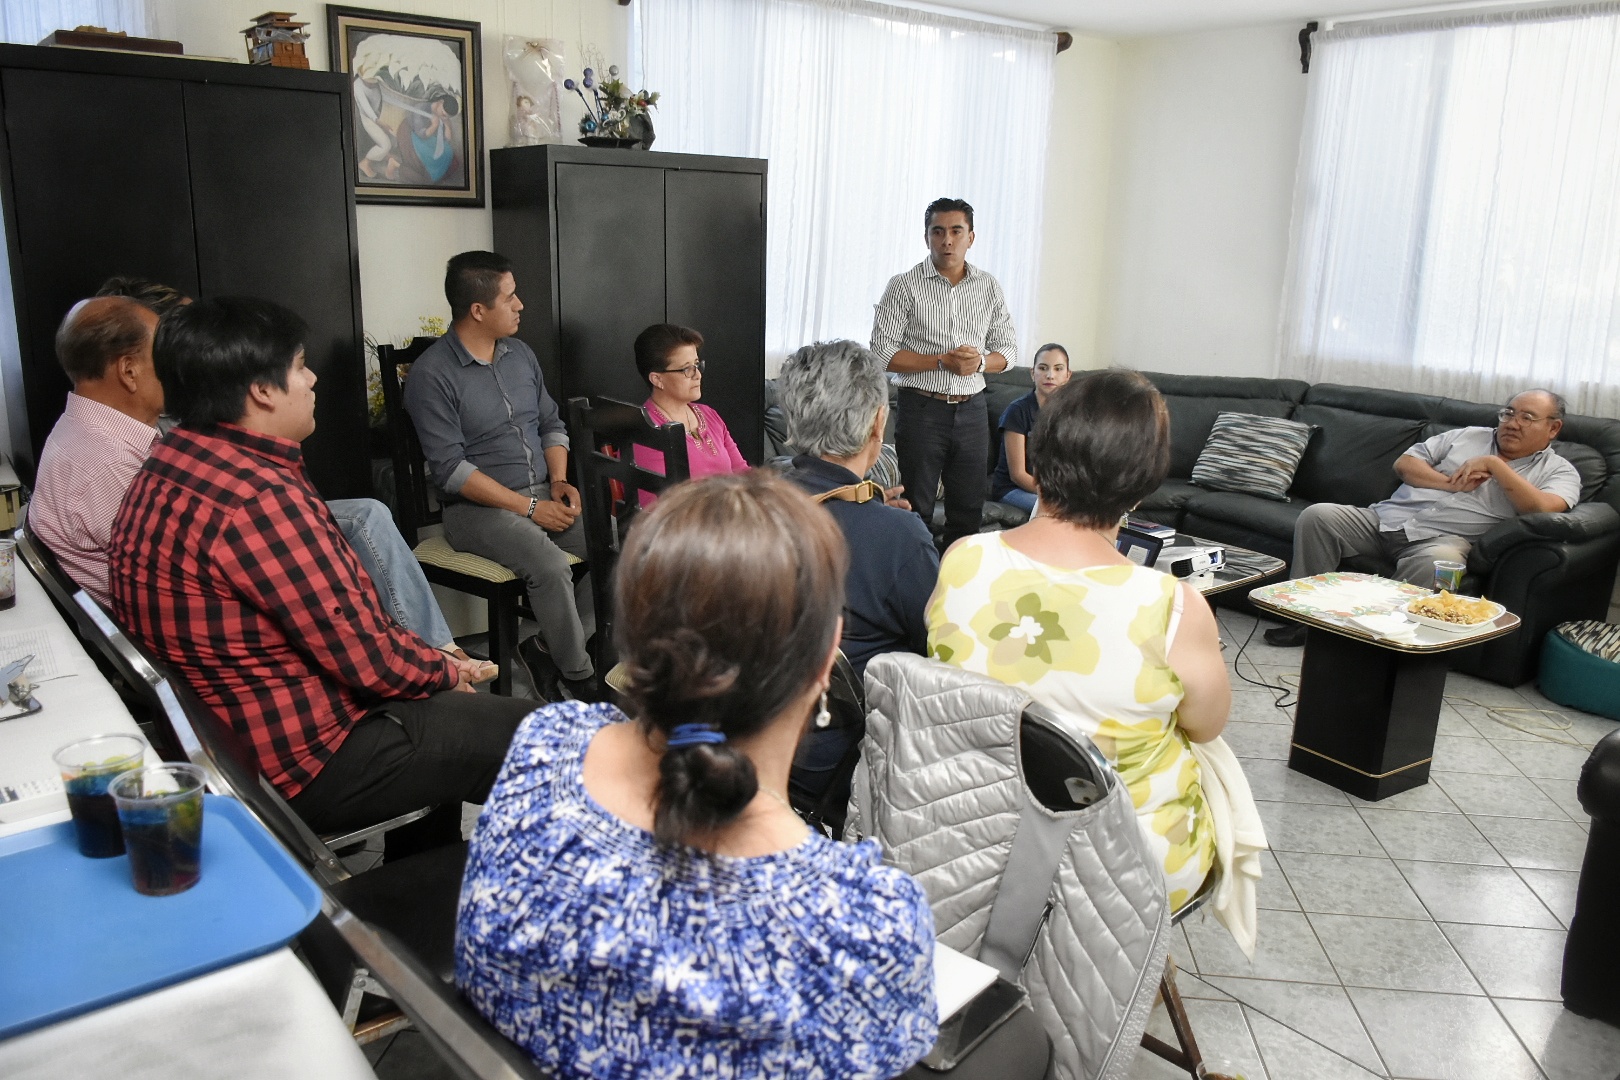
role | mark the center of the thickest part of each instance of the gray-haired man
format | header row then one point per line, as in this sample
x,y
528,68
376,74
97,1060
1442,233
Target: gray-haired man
x,y
1455,487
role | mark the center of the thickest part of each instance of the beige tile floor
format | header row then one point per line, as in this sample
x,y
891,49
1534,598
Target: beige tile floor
x,y
1418,938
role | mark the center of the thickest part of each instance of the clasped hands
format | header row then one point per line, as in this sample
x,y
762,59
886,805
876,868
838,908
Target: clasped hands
x,y
558,512
962,360
1474,472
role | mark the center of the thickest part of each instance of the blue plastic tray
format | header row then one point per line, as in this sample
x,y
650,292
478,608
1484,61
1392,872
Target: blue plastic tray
x,y
76,936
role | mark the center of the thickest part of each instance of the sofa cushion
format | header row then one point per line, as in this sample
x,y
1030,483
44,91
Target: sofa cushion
x,y
1165,504
1352,457
1266,516
1252,454
1196,400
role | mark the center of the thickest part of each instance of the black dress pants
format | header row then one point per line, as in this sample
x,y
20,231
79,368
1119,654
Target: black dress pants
x,y
439,751
936,440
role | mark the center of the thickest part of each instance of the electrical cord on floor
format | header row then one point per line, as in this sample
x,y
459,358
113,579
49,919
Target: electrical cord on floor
x,y
1280,693
1507,715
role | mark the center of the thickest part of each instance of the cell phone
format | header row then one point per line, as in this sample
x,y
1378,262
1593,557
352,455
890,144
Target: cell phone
x,y
973,1023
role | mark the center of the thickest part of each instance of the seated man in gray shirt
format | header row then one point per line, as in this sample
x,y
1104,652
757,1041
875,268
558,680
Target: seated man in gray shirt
x,y
497,449
1456,486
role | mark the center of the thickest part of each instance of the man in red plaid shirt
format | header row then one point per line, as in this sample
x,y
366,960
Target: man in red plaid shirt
x,y
226,563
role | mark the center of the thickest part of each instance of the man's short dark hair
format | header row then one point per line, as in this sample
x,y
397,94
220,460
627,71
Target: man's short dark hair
x,y
474,277
947,206
94,335
654,344
209,354
1101,445
161,298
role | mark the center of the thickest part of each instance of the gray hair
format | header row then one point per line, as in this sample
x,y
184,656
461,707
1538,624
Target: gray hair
x,y
1557,400
831,392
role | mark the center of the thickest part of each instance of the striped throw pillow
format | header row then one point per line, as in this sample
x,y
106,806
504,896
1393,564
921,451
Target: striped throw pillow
x,y
1256,455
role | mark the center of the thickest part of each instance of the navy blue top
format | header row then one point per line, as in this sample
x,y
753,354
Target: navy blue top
x,y
1019,419
604,955
893,566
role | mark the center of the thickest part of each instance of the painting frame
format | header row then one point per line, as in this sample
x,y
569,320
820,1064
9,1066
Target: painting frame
x,y
421,143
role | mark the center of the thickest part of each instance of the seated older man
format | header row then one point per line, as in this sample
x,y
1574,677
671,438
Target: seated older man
x,y
835,397
1456,486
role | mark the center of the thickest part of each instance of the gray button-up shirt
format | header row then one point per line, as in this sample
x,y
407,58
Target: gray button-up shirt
x,y
925,313
494,418
1424,513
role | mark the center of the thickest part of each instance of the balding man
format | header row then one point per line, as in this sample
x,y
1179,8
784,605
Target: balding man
x,y
1456,487
102,437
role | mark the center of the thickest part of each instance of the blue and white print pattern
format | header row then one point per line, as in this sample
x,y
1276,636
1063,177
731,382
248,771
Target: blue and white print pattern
x,y
605,955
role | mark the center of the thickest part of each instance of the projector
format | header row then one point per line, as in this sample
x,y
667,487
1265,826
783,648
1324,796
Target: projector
x,y
1187,560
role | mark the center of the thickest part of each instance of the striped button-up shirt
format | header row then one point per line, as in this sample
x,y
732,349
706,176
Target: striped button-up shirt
x,y
923,312
88,463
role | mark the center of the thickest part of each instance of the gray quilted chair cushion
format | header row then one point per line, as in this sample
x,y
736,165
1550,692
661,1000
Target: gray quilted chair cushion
x,y
941,792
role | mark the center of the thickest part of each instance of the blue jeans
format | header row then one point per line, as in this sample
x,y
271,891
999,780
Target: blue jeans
x,y
383,553
1024,500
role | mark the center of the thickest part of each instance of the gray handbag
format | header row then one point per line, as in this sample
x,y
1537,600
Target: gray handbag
x,y
1026,845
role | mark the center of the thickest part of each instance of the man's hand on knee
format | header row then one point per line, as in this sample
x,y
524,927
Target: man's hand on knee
x,y
553,516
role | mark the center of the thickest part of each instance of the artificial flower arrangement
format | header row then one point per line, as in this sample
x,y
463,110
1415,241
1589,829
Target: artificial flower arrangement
x,y
611,107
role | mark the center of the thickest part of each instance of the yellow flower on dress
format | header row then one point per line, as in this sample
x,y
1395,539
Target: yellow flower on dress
x,y
959,566
949,643
1031,627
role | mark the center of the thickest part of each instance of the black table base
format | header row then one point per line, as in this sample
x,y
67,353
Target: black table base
x,y
1367,715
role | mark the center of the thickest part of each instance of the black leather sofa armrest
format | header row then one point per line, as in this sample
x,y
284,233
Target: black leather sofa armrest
x,y
1599,786
1585,522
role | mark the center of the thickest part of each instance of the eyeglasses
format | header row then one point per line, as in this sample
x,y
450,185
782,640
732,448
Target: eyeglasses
x,y
1507,413
691,371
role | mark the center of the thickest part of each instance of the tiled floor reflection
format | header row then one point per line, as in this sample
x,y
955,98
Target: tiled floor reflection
x,y
1417,938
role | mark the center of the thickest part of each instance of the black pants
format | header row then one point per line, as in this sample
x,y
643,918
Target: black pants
x,y
440,751
936,441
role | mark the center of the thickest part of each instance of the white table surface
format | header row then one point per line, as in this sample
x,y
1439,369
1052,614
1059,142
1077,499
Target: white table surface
x,y
76,707
263,1019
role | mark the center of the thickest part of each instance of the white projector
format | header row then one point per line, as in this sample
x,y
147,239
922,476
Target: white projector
x,y
1185,560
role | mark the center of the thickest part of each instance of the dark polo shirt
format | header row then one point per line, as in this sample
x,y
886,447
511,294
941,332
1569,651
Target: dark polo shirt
x,y
893,566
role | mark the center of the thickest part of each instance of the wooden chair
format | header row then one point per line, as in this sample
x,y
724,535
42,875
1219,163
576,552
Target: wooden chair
x,y
605,434
415,508
1186,1055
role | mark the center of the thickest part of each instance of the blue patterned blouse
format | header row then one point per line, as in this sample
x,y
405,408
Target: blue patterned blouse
x,y
605,955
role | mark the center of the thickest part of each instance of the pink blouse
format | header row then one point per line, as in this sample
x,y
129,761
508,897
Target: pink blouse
x,y
709,449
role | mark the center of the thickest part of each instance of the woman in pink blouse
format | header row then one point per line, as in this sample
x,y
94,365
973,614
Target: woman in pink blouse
x,y
667,357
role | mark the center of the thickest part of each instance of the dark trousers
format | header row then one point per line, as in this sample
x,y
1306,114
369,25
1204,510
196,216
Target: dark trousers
x,y
440,751
936,441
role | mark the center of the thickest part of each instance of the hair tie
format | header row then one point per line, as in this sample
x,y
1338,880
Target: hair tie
x,y
686,735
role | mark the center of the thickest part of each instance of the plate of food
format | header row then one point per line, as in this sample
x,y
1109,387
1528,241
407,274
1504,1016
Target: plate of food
x,y
1451,613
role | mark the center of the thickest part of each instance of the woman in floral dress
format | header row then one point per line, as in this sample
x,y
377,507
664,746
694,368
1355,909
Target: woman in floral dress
x,y
1129,654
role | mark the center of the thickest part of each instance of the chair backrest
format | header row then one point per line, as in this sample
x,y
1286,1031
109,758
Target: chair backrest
x,y
414,504
605,435
42,562
1063,769
463,1039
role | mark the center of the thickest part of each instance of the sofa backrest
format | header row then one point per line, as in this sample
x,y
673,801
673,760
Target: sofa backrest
x,y
1195,401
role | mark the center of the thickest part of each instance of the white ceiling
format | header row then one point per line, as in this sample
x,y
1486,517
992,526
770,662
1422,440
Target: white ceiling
x,y
1136,18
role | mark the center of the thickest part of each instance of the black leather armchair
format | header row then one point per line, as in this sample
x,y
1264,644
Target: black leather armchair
x,y
1592,951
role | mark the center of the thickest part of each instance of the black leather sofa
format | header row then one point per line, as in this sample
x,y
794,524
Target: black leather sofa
x,y
1546,568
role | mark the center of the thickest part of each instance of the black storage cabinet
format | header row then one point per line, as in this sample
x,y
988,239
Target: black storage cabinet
x,y
607,242
218,179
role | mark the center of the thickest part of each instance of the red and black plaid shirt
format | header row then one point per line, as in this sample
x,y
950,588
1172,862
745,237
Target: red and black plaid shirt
x,y
229,567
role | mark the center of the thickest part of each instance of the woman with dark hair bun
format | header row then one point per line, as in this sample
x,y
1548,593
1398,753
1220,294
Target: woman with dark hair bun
x,y
1130,654
640,899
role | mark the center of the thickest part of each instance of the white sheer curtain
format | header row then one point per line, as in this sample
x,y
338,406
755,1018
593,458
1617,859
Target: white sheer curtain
x,y
867,113
26,22
1457,208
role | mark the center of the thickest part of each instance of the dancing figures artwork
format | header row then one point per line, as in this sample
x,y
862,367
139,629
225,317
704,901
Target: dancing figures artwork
x,y
418,105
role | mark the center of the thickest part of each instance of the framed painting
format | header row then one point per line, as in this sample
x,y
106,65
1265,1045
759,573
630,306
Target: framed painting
x,y
418,99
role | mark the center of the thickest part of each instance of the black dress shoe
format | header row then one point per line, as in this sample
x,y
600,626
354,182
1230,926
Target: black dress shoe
x,y
543,671
586,689
1291,636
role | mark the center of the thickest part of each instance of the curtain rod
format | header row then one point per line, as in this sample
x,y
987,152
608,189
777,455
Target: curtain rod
x,y
1482,14
1064,38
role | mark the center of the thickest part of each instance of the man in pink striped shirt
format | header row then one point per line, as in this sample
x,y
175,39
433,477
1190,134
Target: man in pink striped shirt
x,y
103,436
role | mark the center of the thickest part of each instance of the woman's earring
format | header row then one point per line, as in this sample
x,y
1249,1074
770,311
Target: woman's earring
x,y
823,717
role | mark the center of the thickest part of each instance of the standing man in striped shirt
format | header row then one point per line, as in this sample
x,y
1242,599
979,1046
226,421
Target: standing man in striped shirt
x,y
941,326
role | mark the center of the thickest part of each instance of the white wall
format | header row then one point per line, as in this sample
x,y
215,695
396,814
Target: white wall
x,y
1206,137
403,248
1079,168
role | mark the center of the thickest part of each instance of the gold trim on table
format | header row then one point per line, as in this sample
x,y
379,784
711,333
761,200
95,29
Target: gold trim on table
x,y
1360,772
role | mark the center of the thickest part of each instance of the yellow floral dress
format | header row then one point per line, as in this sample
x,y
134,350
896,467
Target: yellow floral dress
x,y
1091,644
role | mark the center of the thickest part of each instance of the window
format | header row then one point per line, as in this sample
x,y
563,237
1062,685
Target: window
x,y
867,113
1457,209
27,22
